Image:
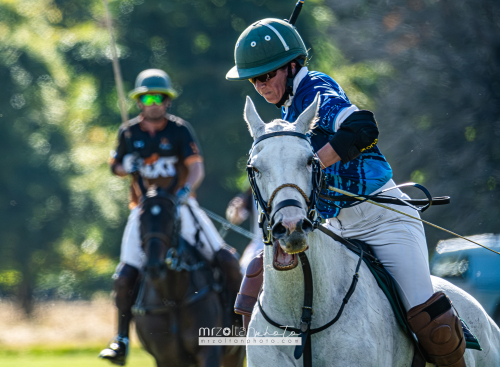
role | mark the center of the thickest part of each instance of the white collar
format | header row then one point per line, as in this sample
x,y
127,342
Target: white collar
x,y
296,81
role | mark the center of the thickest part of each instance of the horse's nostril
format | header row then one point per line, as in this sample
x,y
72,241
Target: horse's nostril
x,y
278,230
307,226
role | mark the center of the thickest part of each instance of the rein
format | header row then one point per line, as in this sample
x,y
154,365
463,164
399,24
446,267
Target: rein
x,y
305,331
267,213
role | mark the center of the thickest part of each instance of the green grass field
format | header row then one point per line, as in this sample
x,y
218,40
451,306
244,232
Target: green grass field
x,y
67,357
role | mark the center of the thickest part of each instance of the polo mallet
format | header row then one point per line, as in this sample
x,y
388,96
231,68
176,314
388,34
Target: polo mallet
x,y
116,65
296,12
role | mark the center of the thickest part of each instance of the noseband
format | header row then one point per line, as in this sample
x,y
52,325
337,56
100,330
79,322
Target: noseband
x,y
267,210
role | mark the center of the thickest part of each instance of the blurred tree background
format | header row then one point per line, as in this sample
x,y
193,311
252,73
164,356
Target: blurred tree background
x,y
427,68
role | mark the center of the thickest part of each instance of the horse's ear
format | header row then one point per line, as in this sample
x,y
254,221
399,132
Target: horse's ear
x,y
307,119
254,122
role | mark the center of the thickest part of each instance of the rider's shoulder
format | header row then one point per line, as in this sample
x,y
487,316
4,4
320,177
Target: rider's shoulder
x,y
318,78
133,122
180,123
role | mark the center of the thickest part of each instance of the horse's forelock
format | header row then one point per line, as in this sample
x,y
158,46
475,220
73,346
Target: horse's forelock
x,y
279,125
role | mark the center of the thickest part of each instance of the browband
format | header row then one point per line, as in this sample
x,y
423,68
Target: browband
x,y
279,133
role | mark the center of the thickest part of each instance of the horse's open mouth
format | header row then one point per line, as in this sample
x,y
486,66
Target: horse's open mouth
x,y
283,260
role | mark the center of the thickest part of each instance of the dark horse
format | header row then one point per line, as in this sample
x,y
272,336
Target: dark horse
x,y
180,292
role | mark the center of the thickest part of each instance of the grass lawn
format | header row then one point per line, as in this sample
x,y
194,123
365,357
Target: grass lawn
x,y
69,357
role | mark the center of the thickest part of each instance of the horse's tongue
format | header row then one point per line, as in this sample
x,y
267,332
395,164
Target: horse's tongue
x,y
283,260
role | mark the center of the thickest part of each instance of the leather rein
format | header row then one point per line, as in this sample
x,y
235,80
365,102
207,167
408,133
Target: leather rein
x,y
305,331
267,214
268,211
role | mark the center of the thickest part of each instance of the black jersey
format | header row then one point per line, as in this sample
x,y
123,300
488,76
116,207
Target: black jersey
x,y
166,153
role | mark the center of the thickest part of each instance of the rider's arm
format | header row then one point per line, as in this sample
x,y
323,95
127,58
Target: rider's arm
x,y
196,174
117,160
353,131
192,157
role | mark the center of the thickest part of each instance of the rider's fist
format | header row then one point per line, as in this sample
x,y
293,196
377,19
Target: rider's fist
x,y
132,162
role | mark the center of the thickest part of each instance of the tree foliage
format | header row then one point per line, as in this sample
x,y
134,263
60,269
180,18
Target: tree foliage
x,y
427,68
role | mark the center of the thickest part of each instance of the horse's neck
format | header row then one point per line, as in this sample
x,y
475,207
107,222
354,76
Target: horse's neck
x,y
332,271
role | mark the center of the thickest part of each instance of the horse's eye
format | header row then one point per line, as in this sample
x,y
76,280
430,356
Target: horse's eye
x,y
255,169
310,161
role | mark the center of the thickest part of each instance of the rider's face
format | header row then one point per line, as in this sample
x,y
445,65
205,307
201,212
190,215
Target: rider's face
x,y
155,112
273,89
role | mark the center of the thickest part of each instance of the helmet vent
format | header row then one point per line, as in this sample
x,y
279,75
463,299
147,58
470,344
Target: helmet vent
x,y
253,44
267,38
278,34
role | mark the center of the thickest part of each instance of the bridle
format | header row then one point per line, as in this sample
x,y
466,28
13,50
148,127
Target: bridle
x,y
267,210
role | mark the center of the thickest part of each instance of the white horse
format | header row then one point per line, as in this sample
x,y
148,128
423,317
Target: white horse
x,y
367,333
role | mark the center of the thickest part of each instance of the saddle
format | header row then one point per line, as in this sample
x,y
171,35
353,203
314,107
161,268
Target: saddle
x,y
252,283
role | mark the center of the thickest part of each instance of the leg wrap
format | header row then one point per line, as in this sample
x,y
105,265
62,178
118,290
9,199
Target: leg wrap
x,y
250,286
439,331
124,286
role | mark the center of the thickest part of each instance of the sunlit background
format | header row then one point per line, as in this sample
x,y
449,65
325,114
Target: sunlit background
x,y
429,69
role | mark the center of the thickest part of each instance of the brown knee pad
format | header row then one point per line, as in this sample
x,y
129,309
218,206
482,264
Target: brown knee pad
x,y
439,331
124,286
250,286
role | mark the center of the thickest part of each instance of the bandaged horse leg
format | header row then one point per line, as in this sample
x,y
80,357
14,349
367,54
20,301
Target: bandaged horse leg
x,y
439,331
250,287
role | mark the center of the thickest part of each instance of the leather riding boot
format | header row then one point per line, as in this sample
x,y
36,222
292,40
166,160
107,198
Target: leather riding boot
x,y
228,263
439,331
125,294
250,287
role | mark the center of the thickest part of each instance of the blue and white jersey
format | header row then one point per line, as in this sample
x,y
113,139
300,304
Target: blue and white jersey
x,y
363,175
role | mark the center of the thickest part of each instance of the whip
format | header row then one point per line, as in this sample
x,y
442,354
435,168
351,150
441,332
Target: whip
x,y
340,191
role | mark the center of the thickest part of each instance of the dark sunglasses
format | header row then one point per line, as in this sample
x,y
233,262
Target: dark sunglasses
x,y
150,99
264,77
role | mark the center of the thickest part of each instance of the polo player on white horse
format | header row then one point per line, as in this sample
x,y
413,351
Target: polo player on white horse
x,y
162,149
271,54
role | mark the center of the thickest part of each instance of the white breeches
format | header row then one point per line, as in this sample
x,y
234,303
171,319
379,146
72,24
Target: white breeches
x,y
210,240
397,241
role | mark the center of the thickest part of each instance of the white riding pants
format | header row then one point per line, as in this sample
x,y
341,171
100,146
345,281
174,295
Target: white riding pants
x,y
210,240
396,240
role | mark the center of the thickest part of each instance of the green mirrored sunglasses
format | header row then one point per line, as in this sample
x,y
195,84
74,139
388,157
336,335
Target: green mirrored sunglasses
x,y
149,99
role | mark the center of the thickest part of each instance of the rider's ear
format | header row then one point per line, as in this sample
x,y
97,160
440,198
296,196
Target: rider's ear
x,y
307,119
254,122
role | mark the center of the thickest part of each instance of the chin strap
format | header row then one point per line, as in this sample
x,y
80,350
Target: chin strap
x,y
289,87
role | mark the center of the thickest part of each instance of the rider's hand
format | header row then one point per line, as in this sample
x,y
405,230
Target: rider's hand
x,y
132,163
183,194
236,211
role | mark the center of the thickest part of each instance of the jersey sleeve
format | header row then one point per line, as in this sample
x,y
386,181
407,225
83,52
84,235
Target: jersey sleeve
x,y
121,149
332,103
190,150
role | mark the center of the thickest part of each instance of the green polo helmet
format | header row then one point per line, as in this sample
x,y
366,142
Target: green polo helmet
x,y
265,46
153,81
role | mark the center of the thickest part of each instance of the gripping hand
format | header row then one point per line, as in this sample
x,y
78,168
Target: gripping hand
x,y
183,194
132,163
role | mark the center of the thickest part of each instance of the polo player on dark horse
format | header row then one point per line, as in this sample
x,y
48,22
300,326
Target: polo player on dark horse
x,y
162,149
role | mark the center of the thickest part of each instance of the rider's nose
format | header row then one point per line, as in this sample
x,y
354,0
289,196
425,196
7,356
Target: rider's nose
x,y
285,228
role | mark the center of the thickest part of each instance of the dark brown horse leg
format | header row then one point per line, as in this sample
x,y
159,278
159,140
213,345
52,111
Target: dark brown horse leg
x,y
234,356
209,356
